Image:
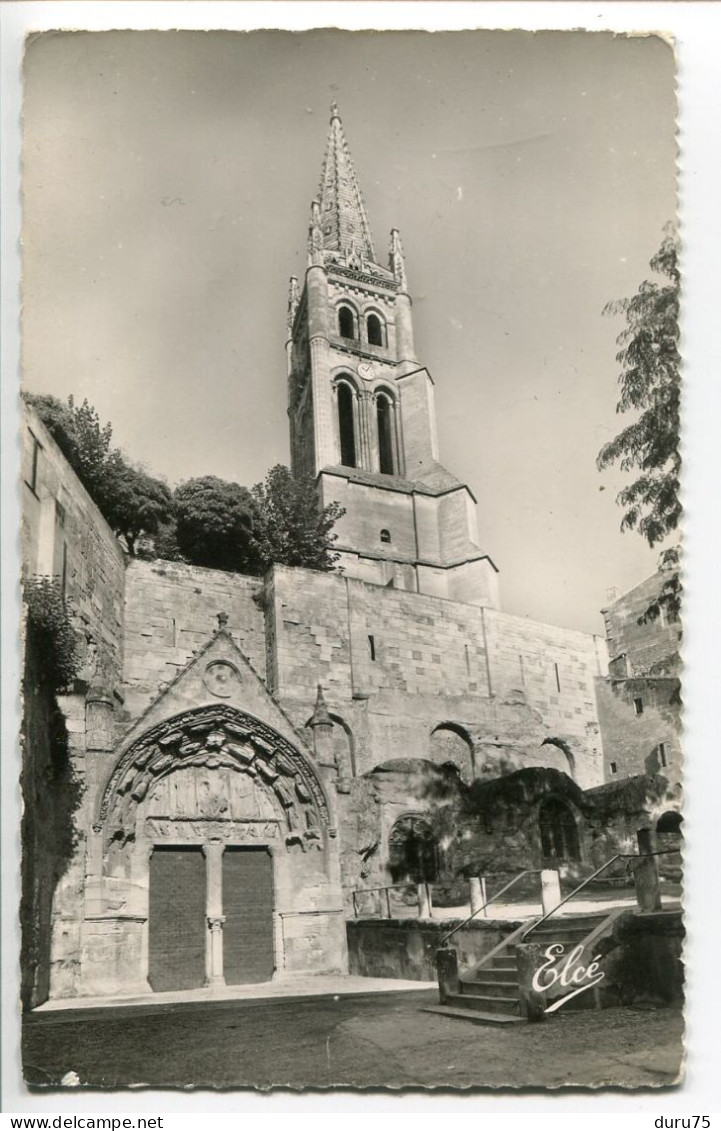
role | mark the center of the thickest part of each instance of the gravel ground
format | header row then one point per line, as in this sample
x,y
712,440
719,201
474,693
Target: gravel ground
x,y
361,1042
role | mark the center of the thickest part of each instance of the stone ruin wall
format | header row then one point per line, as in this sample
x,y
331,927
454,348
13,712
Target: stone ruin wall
x,y
395,665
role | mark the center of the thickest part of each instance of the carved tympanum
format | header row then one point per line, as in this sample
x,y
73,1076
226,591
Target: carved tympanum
x,y
215,737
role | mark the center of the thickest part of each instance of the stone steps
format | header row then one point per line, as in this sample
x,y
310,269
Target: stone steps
x,y
488,994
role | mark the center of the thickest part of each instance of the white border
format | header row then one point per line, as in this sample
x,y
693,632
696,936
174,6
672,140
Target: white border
x,y
696,28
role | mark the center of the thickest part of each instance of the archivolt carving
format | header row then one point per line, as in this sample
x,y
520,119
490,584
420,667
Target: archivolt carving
x,y
213,737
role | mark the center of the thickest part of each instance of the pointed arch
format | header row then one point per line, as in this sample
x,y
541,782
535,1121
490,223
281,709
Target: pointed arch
x,y
450,743
562,745
214,736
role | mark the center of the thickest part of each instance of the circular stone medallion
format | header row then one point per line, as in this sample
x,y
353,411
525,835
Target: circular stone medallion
x,y
221,678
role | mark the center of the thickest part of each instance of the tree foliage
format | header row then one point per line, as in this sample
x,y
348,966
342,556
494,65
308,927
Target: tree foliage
x,y
650,388
215,524
77,431
133,502
50,631
206,521
289,527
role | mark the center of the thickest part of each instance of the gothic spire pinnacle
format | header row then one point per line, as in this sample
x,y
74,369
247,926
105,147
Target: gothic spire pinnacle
x,y
320,718
345,226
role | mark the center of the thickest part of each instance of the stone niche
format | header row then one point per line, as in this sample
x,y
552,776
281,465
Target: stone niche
x,y
213,779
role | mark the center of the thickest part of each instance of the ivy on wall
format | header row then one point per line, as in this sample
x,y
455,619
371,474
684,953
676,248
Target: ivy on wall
x,y
52,631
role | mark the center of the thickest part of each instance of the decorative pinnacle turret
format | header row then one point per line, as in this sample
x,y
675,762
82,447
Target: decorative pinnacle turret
x,y
321,718
293,300
397,260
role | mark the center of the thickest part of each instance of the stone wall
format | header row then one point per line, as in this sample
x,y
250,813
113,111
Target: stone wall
x,y
639,705
396,665
632,742
643,961
641,649
171,610
406,948
65,536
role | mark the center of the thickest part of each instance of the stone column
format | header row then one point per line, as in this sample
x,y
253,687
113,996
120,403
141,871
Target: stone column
x,y
216,978
645,873
425,904
550,890
478,895
214,912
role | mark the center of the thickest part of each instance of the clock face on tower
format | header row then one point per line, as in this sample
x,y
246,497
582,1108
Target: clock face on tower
x,y
366,370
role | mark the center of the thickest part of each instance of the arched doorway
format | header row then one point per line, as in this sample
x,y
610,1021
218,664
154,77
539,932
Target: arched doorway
x,y
413,851
559,833
209,830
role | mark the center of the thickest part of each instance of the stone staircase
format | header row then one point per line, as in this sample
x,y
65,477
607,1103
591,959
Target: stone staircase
x,y
489,993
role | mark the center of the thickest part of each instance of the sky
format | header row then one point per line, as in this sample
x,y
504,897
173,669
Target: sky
x,y
167,186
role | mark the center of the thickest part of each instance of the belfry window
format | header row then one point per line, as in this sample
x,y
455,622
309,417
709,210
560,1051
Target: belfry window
x,y
385,535
346,322
374,327
346,426
384,412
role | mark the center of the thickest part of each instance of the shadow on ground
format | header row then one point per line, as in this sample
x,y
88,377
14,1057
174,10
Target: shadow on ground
x,y
361,1042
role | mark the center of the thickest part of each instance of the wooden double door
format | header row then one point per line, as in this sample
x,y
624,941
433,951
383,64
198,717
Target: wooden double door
x,y
178,927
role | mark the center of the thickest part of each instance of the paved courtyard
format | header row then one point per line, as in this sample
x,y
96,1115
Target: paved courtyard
x,y
373,1040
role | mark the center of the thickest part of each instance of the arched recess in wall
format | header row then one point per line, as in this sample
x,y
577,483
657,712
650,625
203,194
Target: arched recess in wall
x,y
347,321
386,425
375,329
346,406
413,854
568,756
560,843
451,744
342,744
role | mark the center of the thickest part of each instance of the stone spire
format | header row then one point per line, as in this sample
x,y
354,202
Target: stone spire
x,y
345,226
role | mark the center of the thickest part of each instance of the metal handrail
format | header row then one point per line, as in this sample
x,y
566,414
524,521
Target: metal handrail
x,y
613,859
528,872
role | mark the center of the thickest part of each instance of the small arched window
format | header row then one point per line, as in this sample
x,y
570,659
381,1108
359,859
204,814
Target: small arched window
x,y
374,327
384,411
346,322
346,426
385,535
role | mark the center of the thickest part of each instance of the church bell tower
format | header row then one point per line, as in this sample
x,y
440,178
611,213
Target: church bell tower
x,y
361,406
